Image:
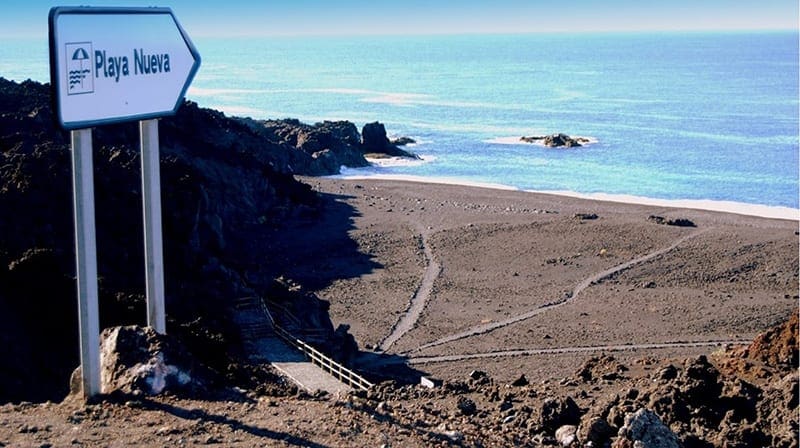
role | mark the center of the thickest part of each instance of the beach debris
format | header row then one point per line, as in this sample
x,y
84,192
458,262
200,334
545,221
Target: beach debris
x,y
678,222
559,140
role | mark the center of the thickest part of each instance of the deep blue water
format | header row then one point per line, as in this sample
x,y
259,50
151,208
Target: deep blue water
x,y
676,115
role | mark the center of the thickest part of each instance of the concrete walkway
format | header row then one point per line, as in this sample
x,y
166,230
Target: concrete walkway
x,y
263,345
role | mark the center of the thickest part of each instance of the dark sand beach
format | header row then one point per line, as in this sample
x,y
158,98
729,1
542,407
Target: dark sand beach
x,y
617,279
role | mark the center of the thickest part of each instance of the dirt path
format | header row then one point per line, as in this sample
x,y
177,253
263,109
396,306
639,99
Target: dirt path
x,y
417,304
486,328
599,348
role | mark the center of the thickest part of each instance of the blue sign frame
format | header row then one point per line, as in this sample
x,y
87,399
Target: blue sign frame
x,y
56,92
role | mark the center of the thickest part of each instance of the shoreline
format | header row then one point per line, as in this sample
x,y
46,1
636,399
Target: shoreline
x,y
738,208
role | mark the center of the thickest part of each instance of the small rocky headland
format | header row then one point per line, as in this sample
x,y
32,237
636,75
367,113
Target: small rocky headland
x,y
232,204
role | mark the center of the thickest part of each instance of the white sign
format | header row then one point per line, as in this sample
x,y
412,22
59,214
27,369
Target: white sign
x,y
109,65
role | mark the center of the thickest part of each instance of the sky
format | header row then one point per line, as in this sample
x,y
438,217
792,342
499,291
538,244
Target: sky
x,y
218,18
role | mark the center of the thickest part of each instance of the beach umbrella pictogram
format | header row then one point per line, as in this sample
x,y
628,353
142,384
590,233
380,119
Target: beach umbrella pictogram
x,y
76,76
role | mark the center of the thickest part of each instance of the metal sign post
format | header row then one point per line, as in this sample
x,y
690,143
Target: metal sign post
x,y
112,65
153,248
86,260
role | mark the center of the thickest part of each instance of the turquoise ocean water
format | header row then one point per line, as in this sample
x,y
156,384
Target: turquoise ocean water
x,y
706,116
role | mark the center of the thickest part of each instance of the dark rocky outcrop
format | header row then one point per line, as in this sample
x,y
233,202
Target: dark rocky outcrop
x,y
585,216
374,141
321,149
227,191
556,140
678,222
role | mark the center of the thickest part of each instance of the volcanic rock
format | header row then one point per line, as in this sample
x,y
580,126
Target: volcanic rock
x,y
466,406
643,429
137,359
557,412
374,141
566,435
678,222
556,140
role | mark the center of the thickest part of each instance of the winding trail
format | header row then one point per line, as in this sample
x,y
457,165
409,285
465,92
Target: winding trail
x,y
420,299
486,328
598,348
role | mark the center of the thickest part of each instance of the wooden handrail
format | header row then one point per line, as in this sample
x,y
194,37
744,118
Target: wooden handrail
x,y
339,371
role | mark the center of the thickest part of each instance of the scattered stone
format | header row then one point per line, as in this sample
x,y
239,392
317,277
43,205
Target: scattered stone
x,y
566,435
211,440
644,429
28,429
521,381
585,216
678,222
557,412
466,406
478,374
595,430
667,373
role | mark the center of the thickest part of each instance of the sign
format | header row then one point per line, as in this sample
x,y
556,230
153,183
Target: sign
x,y
109,65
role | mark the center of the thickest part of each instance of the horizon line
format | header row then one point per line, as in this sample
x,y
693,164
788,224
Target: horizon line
x,y
502,32
428,33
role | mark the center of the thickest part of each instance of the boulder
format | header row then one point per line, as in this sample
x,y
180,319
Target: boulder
x,y
520,382
595,430
466,406
643,429
137,360
557,412
566,435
